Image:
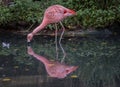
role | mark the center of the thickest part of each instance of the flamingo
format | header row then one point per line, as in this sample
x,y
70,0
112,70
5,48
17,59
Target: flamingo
x,y
53,14
53,68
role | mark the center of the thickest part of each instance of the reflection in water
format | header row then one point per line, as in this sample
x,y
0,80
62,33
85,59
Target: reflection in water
x,y
54,68
98,58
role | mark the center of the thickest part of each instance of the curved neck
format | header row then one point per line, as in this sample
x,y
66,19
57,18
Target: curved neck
x,y
41,58
40,27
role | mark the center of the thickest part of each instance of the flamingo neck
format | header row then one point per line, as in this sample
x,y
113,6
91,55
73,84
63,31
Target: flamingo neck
x,y
40,27
41,58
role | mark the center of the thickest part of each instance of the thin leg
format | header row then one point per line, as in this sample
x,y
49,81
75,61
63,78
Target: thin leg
x,y
56,30
64,53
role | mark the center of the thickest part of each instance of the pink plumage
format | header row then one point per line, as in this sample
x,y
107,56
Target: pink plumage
x,y
53,14
57,13
53,68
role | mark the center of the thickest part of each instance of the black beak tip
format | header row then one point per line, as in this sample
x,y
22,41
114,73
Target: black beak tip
x,y
28,44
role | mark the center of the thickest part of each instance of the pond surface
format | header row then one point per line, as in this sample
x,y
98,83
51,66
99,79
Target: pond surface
x,y
98,59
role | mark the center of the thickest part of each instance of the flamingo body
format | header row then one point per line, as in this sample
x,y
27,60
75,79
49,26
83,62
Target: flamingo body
x,y
57,13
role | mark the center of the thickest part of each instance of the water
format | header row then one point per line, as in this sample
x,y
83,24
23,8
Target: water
x,y
98,59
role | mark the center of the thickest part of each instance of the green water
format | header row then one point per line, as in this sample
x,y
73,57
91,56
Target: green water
x,y
98,58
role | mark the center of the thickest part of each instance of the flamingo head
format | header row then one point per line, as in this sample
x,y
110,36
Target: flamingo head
x,y
71,69
67,71
69,12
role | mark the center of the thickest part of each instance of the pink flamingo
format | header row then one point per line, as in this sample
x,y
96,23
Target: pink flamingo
x,y
53,14
54,69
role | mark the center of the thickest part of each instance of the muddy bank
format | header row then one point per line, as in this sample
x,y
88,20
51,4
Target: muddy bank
x,y
68,33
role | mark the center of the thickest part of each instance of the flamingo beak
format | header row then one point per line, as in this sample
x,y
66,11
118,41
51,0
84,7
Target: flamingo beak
x,y
75,67
71,69
72,12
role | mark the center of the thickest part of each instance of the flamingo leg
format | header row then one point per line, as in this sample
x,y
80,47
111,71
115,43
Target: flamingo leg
x,y
64,53
56,45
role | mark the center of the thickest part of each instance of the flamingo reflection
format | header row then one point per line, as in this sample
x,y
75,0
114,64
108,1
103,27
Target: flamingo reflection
x,y
53,68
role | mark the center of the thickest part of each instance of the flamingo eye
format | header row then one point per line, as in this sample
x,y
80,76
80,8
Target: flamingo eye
x,y
67,71
65,11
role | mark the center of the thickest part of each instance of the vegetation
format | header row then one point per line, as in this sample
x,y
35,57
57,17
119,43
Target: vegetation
x,y
91,13
5,15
